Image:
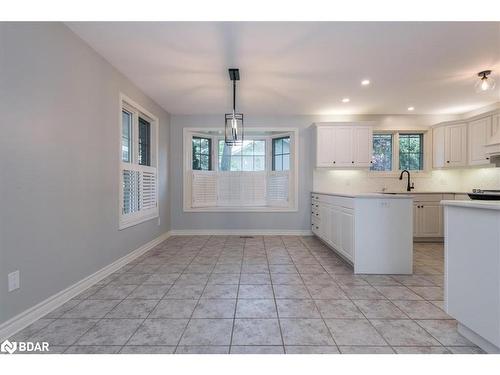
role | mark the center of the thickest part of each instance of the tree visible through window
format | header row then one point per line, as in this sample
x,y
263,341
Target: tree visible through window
x,y
382,152
202,151
250,156
411,152
281,154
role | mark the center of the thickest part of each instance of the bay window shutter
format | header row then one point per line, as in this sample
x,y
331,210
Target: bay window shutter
x,y
278,188
204,189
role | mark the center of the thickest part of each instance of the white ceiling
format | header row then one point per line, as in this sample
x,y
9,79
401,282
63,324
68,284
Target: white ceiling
x,y
303,67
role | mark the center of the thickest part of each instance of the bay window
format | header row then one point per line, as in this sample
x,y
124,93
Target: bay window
x,y
257,175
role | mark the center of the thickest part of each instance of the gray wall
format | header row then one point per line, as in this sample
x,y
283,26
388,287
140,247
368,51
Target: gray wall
x,y
59,160
267,221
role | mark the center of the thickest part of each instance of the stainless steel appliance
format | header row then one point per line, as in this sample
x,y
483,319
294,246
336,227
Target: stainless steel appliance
x,y
485,195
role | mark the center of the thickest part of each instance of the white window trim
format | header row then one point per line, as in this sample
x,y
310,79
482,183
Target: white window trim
x,y
395,172
135,218
293,180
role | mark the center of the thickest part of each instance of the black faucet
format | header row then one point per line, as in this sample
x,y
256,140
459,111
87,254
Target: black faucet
x,y
408,186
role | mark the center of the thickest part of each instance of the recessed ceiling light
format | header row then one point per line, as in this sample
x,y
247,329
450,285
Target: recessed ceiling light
x,y
346,100
411,108
365,82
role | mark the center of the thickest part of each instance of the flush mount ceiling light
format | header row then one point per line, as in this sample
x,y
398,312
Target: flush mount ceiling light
x,y
346,100
411,108
485,82
365,82
233,129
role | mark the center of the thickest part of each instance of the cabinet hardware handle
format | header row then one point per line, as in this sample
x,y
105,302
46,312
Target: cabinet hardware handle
x,y
447,161
487,158
334,162
352,162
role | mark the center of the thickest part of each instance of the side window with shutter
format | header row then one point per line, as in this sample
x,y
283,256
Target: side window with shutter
x,y
138,167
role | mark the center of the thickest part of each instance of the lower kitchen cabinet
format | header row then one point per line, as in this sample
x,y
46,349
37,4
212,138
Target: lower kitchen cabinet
x,y
335,225
428,218
428,215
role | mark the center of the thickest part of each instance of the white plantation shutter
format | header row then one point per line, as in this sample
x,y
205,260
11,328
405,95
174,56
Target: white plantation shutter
x,y
241,189
204,189
228,189
130,183
148,189
278,186
253,188
139,193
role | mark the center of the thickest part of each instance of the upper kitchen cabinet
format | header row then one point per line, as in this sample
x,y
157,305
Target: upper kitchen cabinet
x,y
479,132
363,144
449,144
343,145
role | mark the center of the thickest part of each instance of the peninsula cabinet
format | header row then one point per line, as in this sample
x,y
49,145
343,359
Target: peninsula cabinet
x,y
343,145
449,145
345,223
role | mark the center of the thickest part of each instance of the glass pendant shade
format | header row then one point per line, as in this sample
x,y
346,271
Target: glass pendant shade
x,y
485,82
233,130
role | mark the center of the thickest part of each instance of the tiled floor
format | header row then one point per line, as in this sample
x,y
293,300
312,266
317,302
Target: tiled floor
x,y
224,294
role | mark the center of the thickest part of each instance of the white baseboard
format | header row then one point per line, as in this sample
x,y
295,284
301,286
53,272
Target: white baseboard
x,y
239,232
24,319
473,337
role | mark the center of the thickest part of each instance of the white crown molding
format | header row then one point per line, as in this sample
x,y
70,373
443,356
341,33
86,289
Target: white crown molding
x,y
27,317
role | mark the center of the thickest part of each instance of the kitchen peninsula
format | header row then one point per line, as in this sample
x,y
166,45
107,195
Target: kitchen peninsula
x,y
371,231
472,270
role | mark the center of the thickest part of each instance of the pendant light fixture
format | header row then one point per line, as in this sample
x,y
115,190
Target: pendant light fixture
x,y
233,130
485,82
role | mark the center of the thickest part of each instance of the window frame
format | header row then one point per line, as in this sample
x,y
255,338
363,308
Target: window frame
x,y
426,158
126,220
210,151
421,154
273,155
293,199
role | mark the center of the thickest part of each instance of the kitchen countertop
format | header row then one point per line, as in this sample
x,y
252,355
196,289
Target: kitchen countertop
x,y
367,195
485,205
423,192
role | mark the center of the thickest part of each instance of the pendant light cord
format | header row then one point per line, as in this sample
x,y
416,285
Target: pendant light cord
x,y
234,96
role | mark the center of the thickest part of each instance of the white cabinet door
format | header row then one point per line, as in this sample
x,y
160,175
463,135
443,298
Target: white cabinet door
x,y
416,220
343,147
430,216
495,124
438,147
479,133
347,233
325,154
336,227
363,145
456,145
324,217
